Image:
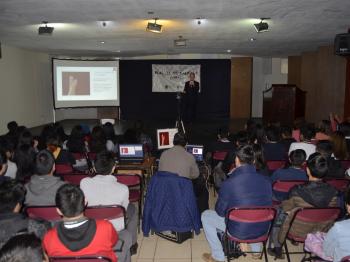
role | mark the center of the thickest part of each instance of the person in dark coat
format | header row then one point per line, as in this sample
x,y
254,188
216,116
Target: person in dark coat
x,y
190,97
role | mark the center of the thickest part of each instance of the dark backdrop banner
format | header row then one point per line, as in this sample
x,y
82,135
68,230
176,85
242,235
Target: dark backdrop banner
x,y
137,100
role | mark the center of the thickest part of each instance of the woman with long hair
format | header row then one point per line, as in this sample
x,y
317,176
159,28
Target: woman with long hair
x,y
340,150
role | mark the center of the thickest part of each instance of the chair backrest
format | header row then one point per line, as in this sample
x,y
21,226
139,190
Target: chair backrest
x,y
92,156
63,169
80,259
129,180
339,184
345,164
219,155
48,213
286,185
345,259
105,212
317,215
273,165
74,178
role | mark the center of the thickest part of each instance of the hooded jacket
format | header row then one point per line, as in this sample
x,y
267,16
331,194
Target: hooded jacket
x,y
41,190
312,194
82,238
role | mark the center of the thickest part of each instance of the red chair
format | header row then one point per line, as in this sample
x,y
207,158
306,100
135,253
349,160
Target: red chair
x,y
339,184
345,164
74,178
80,259
48,213
250,215
105,212
273,165
219,155
309,215
63,169
345,259
92,156
134,182
281,188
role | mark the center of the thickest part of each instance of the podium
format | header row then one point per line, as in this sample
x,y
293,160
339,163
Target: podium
x,y
283,103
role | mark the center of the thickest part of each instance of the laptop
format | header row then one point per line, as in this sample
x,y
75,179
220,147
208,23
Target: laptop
x,y
196,151
131,153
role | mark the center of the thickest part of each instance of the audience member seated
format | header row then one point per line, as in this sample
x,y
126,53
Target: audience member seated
x,y
345,129
324,130
7,146
142,137
258,135
295,170
287,139
337,241
42,187
23,247
340,149
26,138
273,149
99,142
315,193
62,156
77,235
12,133
259,161
25,160
335,168
177,160
307,133
11,220
222,143
244,187
76,141
3,166
104,189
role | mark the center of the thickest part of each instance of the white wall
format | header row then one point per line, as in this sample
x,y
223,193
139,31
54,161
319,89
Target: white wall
x,y
266,71
25,84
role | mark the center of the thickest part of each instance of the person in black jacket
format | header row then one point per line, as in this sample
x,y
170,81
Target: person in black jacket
x,y
191,91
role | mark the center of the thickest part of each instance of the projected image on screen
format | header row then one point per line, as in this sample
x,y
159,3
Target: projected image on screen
x,y
79,83
75,83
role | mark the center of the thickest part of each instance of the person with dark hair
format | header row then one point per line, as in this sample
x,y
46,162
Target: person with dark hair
x,y
307,133
345,129
335,168
190,97
258,136
142,137
324,130
337,241
244,187
273,149
78,235
286,137
61,156
24,158
3,166
11,220
295,170
76,142
12,133
26,138
104,189
99,142
42,187
8,147
259,160
222,143
177,160
23,247
315,193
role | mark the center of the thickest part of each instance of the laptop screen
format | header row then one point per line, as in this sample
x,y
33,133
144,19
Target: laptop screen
x,y
196,151
131,151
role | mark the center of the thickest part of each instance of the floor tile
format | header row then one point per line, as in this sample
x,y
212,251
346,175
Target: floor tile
x,y
147,249
199,237
168,249
199,247
172,260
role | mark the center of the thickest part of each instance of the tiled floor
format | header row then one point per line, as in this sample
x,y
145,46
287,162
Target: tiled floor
x,y
156,249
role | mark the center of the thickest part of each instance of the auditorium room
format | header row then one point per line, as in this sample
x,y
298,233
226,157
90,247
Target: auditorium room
x,y
174,131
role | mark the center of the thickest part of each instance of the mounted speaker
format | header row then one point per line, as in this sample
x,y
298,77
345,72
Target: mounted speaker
x,y
342,44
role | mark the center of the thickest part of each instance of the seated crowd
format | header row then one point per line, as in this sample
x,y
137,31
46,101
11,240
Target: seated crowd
x,y
241,173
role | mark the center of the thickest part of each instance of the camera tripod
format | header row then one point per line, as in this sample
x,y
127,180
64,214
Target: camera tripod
x,y
179,124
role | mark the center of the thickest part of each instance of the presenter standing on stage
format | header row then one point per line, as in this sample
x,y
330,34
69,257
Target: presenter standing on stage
x,y
191,91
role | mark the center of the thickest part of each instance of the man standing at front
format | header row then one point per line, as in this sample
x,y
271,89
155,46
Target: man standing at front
x,y
191,91
244,187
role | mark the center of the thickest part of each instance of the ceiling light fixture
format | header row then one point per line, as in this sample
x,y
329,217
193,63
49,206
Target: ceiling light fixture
x,y
262,26
252,39
199,21
45,30
102,42
228,50
154,27
180,42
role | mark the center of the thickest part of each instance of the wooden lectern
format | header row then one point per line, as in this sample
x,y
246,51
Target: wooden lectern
x,y
286,104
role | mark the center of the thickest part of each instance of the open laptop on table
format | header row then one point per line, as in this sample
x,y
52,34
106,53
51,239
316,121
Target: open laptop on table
x,y
196,151
131,153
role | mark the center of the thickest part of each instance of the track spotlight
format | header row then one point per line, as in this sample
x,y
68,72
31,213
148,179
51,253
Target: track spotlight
x,y
262,26
45,30
154,27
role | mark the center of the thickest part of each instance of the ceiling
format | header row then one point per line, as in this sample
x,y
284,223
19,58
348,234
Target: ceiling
x,y
295,26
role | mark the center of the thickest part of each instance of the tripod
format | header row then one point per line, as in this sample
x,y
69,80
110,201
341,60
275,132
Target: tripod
x,y
179,124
